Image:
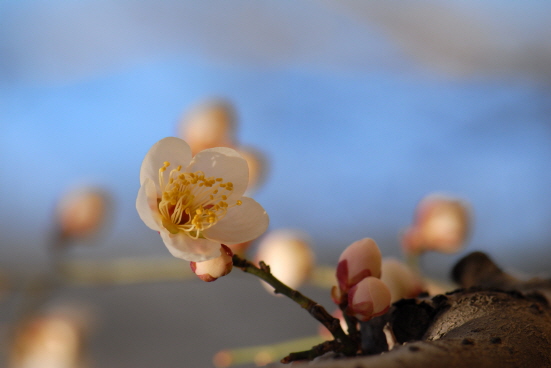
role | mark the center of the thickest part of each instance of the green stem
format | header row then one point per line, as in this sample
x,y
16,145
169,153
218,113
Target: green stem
x,y
316,310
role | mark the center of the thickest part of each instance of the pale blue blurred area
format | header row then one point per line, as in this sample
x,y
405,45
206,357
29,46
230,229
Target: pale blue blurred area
x,y
356,129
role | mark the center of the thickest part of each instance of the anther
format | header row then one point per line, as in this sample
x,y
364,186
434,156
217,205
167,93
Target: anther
x,y
187,205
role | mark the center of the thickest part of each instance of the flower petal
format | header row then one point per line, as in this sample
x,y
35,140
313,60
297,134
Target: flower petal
x,y
225,163
197,250
241,223
171,149
146,204
358,261
369,298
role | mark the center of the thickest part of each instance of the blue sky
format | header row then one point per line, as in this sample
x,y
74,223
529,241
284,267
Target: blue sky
x,y
356,131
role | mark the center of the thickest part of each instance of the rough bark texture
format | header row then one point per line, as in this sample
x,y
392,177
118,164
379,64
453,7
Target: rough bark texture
x,y
495,320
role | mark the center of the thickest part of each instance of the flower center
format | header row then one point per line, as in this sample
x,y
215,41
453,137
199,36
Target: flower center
x,y
191,202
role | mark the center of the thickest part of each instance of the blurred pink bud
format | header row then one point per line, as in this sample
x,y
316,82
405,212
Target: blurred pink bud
x,y
257,167
82,212
289,256
358,261
400,279
212,269
209,124
441,224
367,299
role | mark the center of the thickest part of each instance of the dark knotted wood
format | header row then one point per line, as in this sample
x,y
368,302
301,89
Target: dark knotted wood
x,y
494,320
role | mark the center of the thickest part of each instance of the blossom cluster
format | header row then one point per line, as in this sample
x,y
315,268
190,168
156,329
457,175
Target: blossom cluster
x,y
360,292
197,203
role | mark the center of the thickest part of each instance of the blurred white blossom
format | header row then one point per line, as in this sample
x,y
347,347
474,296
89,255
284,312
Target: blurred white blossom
x,y
289,255
82,212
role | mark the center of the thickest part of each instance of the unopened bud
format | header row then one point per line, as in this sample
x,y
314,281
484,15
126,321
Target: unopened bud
x,y
367,299
214,268
210,124
81,213
400,279
441,224
358,261
289,256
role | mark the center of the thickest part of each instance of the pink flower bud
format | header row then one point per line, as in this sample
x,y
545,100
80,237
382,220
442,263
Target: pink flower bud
x,y
358,261
400,279
441,224
367,299
82,212
217,267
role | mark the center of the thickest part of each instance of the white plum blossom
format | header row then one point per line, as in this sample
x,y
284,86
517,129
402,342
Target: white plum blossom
x,y
196,204
289,255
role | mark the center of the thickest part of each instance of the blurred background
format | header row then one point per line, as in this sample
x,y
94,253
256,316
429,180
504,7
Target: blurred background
x,y
359,110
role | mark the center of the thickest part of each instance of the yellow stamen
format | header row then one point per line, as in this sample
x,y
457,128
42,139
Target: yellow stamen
x,y
190,202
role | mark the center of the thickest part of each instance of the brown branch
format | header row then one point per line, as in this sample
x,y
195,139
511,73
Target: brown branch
x,y
316,351
349,346
496,321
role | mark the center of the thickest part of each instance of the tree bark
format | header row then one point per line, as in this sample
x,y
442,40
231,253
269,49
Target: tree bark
x,y
495,320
